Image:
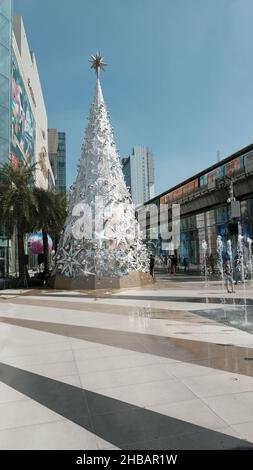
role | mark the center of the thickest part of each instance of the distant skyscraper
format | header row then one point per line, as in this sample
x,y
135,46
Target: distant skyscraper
x,y
139,174
126,166
57,156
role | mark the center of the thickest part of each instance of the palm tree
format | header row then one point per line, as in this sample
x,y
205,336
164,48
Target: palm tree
x,y
50,217
18,204
60,213
44,218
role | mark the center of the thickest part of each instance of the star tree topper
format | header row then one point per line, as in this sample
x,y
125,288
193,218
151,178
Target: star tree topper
x,y
97,63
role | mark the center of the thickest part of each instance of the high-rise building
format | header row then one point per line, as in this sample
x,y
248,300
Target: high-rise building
x,y
139,174
126,167
29,142
5,90
5,78
23,116
57,156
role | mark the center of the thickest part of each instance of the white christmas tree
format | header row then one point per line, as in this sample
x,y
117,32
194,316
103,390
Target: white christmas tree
x,y
101,236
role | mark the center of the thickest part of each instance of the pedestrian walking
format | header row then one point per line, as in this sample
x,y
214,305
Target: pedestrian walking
x,y
174,264
186,264
169,264
151,265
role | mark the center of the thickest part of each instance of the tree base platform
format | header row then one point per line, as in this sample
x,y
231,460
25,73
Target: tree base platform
x,y
134,279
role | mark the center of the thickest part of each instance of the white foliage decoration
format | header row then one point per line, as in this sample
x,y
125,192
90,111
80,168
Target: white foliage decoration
x,y
116,249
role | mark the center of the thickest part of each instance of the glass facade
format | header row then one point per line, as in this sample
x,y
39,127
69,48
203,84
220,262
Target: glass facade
x,y
205,226
60,163
5,87
208,225
5,77
127,171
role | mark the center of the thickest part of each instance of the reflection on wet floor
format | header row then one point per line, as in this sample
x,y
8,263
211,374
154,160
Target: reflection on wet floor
x,y
112,309
200,300
241,318
226,357
225,300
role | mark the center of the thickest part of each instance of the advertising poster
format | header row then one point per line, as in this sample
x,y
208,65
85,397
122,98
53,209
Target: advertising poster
x,y
233,166
22,123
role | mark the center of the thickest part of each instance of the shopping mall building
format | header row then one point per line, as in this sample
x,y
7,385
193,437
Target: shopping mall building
x,y
23,116
216,201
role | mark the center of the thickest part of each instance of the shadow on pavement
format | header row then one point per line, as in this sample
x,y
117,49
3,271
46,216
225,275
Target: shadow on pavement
x,y
122,424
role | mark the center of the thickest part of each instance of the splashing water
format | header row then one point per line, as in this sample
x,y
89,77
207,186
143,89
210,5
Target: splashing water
x,y
249,241
230,255
240,248
220,256
204,248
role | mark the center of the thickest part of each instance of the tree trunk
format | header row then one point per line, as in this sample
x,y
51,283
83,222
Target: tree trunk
x,y
45,251
56,242
21,253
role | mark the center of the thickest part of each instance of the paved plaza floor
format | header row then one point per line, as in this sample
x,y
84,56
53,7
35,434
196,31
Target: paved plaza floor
x,y
163,367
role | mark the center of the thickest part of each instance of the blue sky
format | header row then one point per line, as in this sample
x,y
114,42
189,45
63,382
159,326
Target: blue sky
x,y
180,75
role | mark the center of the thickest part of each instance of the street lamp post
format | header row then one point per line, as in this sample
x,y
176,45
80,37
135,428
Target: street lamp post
x,y
235,209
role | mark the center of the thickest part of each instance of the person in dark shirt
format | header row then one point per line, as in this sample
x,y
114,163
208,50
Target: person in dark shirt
x,y
151,265
186,264
174,264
